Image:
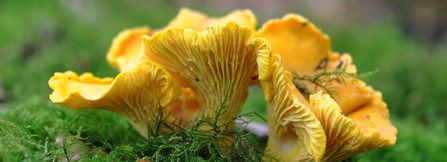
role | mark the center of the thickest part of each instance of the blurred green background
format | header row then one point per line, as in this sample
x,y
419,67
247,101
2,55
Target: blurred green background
x,y
406,42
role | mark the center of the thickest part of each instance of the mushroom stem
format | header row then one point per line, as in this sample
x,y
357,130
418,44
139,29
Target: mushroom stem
x,y
260,130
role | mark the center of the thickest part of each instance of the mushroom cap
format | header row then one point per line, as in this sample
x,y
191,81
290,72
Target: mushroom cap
x,y
301,45
124,54
306,51
136,94
349,92
363,130
372,119
295,133
197,21
218,64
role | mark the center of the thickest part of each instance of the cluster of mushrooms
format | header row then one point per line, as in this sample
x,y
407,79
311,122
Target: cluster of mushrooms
x,y
195,61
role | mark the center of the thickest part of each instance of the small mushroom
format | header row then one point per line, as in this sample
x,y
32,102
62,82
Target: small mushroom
x,y
295,133
135,94
217,64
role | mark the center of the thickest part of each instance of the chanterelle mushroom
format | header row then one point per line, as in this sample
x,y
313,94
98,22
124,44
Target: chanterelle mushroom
x,y
135,94
217,64
306,51
188,71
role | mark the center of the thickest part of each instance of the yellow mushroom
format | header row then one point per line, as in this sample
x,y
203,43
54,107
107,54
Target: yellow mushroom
x,y
217,64
195,64
306,51
135,94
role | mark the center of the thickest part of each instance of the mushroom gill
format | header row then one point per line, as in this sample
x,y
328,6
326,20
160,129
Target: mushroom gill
x,y
128,94
136,94
124,54
218,64
295,133
366,129
306,51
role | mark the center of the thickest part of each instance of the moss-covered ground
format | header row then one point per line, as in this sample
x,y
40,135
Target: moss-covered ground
x,y
38,38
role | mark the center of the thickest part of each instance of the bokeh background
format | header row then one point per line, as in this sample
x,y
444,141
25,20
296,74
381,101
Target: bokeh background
x,y
406,41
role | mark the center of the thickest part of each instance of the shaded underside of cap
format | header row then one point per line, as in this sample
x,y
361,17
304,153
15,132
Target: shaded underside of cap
x,y
124,54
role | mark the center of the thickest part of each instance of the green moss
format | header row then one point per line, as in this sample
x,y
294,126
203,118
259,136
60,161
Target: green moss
x,y
206,138
17,145
52,36
36,122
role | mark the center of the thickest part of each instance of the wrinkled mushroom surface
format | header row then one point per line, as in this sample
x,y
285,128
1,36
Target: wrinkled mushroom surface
x,y
306,51
124,94
363,130
135,94
124,54
295,133
218,64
